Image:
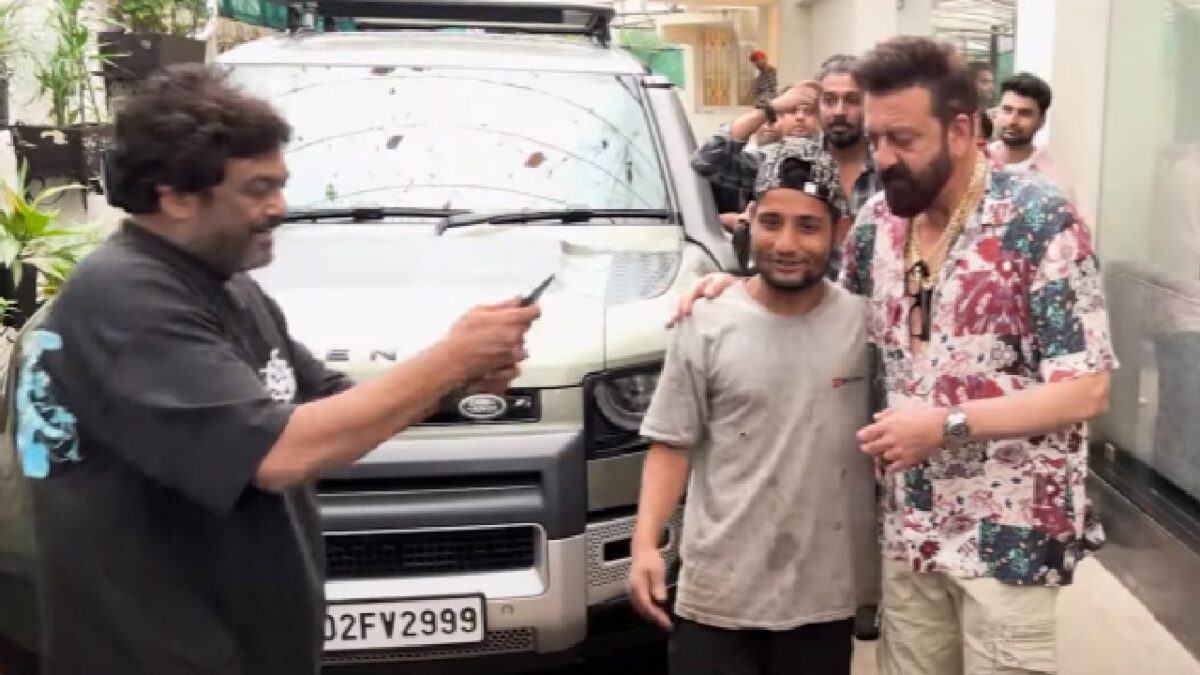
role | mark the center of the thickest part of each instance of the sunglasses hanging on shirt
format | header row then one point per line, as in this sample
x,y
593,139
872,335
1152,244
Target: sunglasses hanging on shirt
x,y
918,286
924,270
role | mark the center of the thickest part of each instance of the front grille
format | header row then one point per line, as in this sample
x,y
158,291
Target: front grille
x,y
408,554
608,568
497,642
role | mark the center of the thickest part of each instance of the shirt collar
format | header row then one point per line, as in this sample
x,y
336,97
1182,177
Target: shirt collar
x,y
1039,159
158,247
995,208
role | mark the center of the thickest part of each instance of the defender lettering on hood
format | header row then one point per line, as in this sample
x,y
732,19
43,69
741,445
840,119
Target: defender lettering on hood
x,y
373,355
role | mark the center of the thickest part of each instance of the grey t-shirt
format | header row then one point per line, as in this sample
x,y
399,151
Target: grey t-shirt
x,y
779,528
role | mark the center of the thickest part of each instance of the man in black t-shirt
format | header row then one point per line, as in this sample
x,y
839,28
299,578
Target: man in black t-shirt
x,y
170,426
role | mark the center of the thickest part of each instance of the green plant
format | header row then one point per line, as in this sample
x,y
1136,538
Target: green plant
x,y
65,77
179,17
30,237
11,46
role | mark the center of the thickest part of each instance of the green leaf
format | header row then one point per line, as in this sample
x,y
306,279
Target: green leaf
x,y
36,222
46,264
50,193
9,249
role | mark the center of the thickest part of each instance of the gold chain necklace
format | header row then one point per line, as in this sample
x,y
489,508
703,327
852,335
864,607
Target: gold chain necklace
x,y
941,250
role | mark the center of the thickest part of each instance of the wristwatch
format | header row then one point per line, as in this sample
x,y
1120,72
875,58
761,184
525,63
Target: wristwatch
x,y
955,429
772,116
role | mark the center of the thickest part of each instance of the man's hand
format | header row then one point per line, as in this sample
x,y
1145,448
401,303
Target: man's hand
x,y
709,286
902,438
729,221
648,586
801,96
492,337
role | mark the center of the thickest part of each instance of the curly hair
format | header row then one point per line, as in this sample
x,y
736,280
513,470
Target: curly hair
x,y
179,129
903,62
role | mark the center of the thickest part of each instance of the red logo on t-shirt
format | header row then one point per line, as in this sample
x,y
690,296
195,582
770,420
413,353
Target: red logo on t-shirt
x,y
840,381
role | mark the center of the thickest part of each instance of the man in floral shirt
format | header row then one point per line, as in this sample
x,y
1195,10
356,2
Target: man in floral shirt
x,y
991,346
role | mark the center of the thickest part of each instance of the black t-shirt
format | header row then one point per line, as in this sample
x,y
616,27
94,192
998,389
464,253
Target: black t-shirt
x,y
145,402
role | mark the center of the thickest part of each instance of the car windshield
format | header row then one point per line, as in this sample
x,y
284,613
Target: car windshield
x,y
474,140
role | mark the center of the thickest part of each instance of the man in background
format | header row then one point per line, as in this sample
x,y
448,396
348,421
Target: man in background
x,y
839,106
766,84
798,122
985,85
840,112
1024,104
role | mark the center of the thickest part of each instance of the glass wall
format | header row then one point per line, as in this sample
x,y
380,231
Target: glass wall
x,y
1149,236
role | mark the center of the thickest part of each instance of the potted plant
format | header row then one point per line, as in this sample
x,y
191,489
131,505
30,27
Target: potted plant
x,y
153,34
70,146
36,252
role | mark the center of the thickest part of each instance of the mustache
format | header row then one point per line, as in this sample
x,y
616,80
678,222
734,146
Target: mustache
x,y
896,173
268,224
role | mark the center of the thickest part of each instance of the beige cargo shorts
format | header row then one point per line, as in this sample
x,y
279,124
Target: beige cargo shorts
x,y
934,624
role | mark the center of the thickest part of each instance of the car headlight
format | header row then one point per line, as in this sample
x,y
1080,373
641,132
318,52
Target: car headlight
x,y
616,402
624,399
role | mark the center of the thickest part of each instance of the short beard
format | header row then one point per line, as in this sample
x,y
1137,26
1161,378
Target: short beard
x,y
908,193
806,282
845,139
803,284
1023,142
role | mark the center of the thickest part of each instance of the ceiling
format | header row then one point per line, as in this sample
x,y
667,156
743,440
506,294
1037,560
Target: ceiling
x,y
981,15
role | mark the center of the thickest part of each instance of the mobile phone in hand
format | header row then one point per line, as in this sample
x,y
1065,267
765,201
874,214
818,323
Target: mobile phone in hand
x,y
537,292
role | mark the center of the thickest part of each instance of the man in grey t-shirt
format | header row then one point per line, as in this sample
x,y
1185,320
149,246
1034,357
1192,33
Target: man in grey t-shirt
x,y
762,393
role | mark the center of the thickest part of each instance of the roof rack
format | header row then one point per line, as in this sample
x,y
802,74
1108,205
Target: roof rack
x,y
554,17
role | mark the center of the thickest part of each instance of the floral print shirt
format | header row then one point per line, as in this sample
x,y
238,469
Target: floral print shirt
x,y
1018,304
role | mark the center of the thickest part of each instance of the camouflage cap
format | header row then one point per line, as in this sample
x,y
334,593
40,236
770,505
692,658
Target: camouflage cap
x,y
823,180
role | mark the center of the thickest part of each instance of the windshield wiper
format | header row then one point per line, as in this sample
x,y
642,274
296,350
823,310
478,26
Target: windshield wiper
x,y
362,214
563,216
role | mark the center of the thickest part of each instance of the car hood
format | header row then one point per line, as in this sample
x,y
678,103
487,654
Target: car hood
x,y
362,297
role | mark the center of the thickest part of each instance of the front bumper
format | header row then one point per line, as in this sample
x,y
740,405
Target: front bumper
x,y
616,635
542,614
541,609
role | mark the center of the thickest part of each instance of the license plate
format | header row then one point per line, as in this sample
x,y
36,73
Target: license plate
x,y
404,623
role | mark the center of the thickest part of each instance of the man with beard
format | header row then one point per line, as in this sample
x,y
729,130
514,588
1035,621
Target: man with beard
x,y
761,393
178,427
1024,103
990,349
840,112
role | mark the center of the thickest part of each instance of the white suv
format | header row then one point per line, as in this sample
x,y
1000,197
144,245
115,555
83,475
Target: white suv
x,y
450,154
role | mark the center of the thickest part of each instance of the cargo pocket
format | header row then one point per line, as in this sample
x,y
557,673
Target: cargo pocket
x,y
1027,646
